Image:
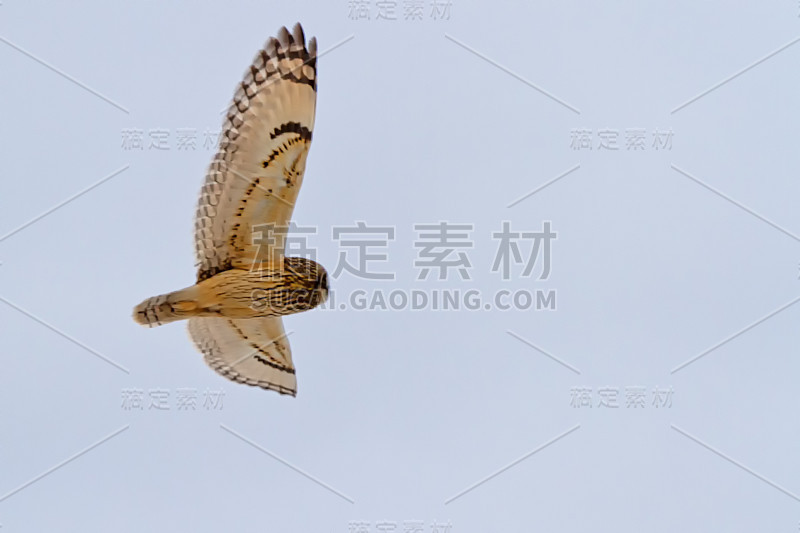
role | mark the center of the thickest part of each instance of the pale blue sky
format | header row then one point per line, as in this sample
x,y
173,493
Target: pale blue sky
x,y
418,121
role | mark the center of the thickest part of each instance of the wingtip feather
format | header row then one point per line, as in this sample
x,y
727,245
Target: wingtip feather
x,y
299,36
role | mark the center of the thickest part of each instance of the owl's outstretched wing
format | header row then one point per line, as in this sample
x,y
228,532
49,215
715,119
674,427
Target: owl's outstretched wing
x,y
257,172
253,351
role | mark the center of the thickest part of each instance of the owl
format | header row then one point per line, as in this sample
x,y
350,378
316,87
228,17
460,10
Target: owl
x,y
244,281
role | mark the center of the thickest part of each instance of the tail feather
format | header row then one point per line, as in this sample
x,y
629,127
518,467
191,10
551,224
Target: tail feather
x,y
166,308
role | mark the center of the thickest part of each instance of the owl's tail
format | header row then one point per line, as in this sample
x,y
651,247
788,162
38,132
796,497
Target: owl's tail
x,y
166,308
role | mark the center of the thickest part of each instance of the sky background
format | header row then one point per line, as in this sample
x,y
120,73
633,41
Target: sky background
x,y
663,253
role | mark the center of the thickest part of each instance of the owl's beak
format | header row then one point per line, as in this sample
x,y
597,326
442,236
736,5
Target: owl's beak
x,y
321,290
323,281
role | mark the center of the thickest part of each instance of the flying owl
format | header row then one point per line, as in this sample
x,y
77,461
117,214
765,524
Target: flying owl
x,y
244,282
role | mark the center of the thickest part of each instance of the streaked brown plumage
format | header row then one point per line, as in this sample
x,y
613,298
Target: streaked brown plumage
x,y
244,282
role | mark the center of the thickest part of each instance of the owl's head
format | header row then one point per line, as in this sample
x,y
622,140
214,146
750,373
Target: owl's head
x,y
313,280
299,285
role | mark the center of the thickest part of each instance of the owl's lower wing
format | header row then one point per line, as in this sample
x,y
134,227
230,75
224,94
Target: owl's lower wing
x,y
253,351
255,177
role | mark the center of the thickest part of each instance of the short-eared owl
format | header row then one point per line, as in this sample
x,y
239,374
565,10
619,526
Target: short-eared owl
x,y
244,282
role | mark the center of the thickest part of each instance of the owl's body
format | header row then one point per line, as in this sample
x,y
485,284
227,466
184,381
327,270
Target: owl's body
x,y
244,282
238,293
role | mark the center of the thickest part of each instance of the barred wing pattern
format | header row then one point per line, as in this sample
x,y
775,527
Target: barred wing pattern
x,y
257,172
254,180
253,351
